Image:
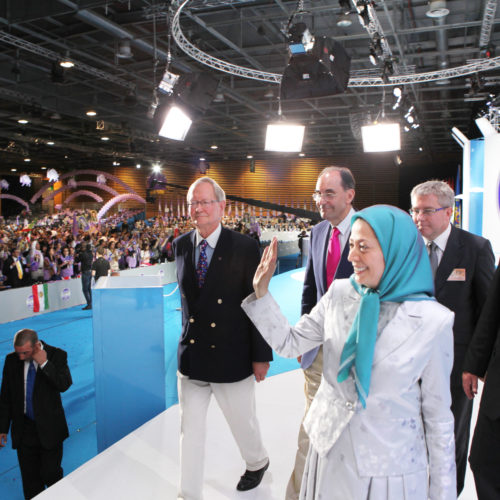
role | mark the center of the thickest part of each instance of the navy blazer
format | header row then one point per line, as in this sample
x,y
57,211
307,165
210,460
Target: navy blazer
x,y
218,342
315,277
50,381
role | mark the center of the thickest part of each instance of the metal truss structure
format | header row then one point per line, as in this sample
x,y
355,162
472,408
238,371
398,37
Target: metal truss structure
x,y
373,28
49,54
489,15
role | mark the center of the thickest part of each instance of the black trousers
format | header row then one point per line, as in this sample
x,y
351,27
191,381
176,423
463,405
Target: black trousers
x,y
461,407
87,286
485,457
40,468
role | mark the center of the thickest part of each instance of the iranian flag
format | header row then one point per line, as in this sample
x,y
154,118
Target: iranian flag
x,y
40,298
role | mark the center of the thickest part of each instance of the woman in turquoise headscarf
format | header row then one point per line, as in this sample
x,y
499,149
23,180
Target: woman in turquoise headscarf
x,y
380,426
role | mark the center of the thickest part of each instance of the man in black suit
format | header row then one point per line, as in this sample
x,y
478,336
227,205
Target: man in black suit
x,y
30,400
14,269
463,264
333,195
85,258
220,351
483,360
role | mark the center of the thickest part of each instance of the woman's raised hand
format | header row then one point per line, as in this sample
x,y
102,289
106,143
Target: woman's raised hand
x,y
266,269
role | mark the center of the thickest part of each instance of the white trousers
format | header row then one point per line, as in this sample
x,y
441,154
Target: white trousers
x,y
237,402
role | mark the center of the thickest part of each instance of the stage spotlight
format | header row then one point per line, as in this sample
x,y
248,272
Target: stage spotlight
x,y
398,94
381,137
66,61
284,137
176,124
344,21
363,14
168,82
190,97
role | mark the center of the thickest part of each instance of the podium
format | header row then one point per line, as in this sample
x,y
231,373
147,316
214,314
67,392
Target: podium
x,y
129,354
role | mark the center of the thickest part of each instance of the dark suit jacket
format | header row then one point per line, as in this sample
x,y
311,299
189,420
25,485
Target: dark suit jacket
x,y
483,355
50,381
315,277
473,253
218,342
11,274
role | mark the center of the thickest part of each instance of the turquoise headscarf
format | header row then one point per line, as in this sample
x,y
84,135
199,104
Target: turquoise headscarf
x,y
407,276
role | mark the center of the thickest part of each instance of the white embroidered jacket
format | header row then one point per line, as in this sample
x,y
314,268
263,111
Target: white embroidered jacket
x,y
409,390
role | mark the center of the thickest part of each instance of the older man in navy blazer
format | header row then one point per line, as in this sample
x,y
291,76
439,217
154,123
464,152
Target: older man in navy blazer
x,y
333,195
463,264
220,351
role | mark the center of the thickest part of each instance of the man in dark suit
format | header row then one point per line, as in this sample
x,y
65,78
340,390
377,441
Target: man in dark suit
x,y
327,261
220,351
463,264
30,404
14,269
483,361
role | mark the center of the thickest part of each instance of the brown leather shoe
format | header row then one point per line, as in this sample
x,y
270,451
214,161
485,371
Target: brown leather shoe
x,y
251,479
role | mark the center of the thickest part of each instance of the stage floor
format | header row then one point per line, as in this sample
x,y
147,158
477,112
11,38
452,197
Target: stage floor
x,y
145,464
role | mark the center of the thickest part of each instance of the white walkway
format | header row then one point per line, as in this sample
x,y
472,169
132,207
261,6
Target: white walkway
x,y
144,464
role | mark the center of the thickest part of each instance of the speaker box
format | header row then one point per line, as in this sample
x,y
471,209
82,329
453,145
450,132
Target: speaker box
x,y
324,71
196,90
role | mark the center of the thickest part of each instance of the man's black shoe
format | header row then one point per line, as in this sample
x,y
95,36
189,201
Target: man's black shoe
x,y
86,308
251,479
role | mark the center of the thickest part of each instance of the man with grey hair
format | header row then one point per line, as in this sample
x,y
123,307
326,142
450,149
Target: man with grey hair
x,y
463,266
220,351
328,250
33,410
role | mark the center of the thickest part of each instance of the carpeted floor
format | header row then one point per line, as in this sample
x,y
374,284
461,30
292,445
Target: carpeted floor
x,y
71,330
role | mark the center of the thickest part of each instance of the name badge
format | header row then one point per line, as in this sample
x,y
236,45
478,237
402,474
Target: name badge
x,y
457,274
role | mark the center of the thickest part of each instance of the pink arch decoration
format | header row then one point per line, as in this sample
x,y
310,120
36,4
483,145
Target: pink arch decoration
x,y
110,190
118,199
15,198
83,192
83,172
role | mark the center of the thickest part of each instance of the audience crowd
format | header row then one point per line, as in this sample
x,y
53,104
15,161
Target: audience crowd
x,y
47,248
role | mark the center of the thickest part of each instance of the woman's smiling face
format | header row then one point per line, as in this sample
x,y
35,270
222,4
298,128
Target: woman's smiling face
x,y
365,255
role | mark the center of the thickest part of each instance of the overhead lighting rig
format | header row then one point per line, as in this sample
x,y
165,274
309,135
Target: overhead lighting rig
x,y
189,98
318,66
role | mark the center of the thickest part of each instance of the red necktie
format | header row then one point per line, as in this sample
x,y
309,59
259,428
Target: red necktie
x,y
333,256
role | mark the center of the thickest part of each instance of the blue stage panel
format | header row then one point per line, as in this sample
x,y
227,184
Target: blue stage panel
x,y
128,355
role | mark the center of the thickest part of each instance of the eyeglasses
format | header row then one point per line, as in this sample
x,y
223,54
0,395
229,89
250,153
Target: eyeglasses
x,y
203,203
425,211
327,195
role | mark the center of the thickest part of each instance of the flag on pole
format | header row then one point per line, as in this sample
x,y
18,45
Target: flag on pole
x,y
40,297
